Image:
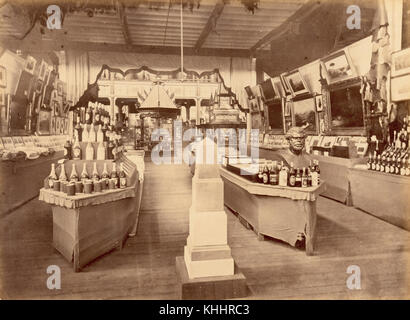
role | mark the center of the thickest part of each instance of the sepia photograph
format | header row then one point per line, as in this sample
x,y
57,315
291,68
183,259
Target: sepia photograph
x,y
205,152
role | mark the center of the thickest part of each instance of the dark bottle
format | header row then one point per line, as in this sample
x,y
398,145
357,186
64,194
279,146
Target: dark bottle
x,y
110,150
89,116
274,176
369,162
309,177
114,174
260,174
123,177
374,161
298,179
304,178
265,175
68,150
397,168
96,117
317,168
292,176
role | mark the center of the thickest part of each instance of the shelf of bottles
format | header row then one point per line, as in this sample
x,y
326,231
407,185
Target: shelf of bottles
x,y
88,181
279,174
94,136
394,159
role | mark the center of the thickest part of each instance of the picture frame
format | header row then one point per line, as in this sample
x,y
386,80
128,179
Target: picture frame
x,y
39,86
400,62
304,115
30,64
338,67
400,88
3,76
286,89
43,70
319,103
296,83
44,122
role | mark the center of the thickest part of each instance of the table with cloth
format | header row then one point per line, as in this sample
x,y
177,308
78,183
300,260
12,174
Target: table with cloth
x,y
279,212
86,226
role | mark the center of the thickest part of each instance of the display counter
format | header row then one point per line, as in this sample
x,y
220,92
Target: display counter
x,y
382,195
279,212
86,226
21,179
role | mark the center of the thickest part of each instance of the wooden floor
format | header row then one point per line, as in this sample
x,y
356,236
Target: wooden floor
x,y
145,268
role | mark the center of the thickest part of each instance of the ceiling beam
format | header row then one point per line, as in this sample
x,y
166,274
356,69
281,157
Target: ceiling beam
x,y
302,13
210,25
58,45
124,23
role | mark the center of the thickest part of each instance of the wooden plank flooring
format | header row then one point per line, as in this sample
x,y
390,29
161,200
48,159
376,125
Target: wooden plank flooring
x,y
145,268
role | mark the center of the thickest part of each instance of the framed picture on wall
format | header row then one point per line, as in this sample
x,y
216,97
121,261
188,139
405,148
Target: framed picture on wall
x,y
44,122
3,77
39,86
400,88
296,83
319,103
304,115
285,86
30,64
400,62
338,67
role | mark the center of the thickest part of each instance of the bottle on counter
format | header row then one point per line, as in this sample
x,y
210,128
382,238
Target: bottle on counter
x,y
265,175
114,174
260,174
292,176
76,150
123,177
110,149
369,162
73,175
68,150
309,177
78,130
63,175
95,175
52,176
378,162
304,178
89,115
89,152
100,134
298,179
105,174
407,167
374,161
273,175
317,168
283,176
84,173
403,167
101,151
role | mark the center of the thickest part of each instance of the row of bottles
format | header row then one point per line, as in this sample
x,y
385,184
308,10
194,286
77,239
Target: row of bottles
x,y
119,177
395,157
279,174
103,133
94,113
106,150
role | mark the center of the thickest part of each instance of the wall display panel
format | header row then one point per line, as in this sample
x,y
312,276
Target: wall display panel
x,y
44,122
338,67
296,83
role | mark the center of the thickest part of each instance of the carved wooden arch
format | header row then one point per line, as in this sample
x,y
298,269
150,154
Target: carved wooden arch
x,y
175,72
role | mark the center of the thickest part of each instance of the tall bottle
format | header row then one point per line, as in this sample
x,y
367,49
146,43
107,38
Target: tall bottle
x,y
317,168
76,150
84,173
374,161
273,175
78,130
105,174
298,179
378,159
292,176
114,174
89,152
123,177
260,174
265,175
309,177
95,175
304,178
369,162
93,135
283,176
101,151
85,134
52,176
73,175
89,115
100,134
63,175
